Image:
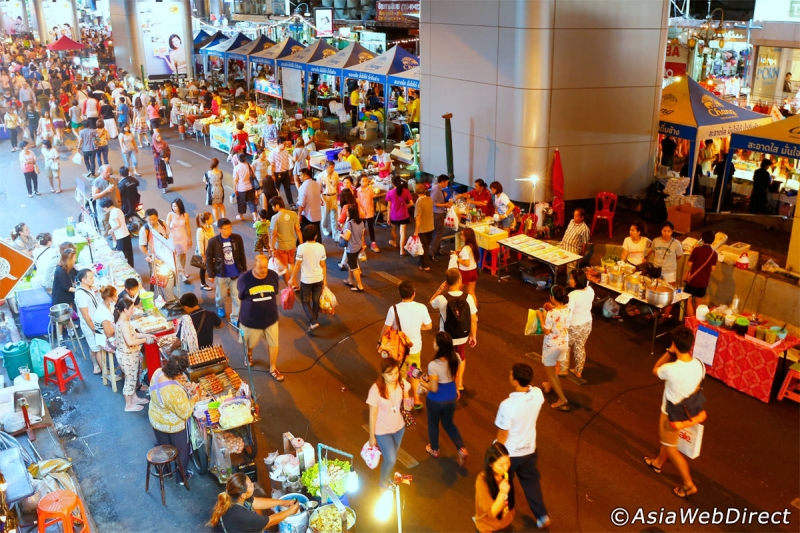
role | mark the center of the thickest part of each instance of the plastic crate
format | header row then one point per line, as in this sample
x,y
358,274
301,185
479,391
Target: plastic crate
x,y
4,132
34,311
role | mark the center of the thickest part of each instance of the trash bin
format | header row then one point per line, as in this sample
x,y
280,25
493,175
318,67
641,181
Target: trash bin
x,y
15,355
34,311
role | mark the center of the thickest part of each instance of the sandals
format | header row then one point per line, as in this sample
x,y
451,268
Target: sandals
x,y
433,453
649,462
276,375
141,401
561,407
348,284
356,289
418,406
683,492
135,407
463,457
572,371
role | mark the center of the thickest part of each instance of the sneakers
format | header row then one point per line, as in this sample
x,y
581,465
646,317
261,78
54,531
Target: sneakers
x,y
374,248
189,475
313,326
206,288
220,312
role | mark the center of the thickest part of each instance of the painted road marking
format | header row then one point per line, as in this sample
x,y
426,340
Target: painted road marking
x,y
184,163
386,275
403,456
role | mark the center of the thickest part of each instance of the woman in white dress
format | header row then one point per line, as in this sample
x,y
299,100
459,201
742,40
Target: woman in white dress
x,y
180,235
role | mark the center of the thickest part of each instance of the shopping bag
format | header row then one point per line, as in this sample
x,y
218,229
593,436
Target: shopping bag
x,y
362,255
414,246
533,326
77,158
690,440
276,266
287,298
452,262
327,301
371,455
451,219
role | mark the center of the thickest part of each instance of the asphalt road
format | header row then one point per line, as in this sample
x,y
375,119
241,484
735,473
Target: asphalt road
x,y
590,458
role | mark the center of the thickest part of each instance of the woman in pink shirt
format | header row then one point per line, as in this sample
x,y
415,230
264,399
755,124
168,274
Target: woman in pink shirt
x,y
152,115
366,208
387,396
27,161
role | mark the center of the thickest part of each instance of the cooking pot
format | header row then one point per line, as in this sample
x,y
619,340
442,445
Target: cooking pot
x,y
632,283
61,312
659,295
616,276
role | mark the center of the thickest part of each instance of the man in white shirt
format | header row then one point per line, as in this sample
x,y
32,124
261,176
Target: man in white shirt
x,y
118,228
413,318
309,200
310,264
516,430
682,376
458,317
279,159
328,181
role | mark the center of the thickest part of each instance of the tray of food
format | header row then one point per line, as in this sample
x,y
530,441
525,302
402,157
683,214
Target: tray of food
x,y
207,356
216,385
150,324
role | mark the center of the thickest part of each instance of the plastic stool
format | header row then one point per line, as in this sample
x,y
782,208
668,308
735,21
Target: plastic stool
x,y
160,457
58,506
791,385
58,358
491,259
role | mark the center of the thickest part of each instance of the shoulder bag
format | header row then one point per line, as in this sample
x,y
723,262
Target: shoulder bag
x,y
253,180
652,270
691,410
408,417
394,343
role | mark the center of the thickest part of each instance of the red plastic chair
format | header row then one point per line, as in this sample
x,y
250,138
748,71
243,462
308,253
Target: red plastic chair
x,y
605,205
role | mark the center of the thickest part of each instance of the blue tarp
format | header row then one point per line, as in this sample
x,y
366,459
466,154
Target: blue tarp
x,y
315,52
210,42
253,47
221,49
353,54
284,48
395,60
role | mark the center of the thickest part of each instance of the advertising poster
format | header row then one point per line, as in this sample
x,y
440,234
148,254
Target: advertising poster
x,y
58,18
395,10
267,87
13,21
323,20
161,26
767,73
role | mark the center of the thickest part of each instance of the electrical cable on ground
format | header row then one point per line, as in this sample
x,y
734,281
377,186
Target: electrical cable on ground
x,y
578,444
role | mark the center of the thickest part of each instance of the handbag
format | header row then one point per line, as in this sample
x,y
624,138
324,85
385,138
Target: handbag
x,y
408,417
689,411
253,180
197,261
394,343
652,270
168,170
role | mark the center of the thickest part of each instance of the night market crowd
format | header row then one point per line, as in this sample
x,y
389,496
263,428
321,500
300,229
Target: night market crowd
x,y
47,102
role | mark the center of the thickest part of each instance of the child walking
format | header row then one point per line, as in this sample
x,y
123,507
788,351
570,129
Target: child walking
x,y
556,342
262,232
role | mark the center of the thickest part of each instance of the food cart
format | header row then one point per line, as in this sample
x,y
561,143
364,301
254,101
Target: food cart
x,y
222,426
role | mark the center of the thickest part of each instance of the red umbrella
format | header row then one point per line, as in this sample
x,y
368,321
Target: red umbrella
x,y
65,43
558,189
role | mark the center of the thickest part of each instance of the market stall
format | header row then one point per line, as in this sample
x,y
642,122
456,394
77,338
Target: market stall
x,y
691,113
737,356
333,66
201,53
294,69
409,79
269,58
244,52
393,62
781,142
221,133
221,50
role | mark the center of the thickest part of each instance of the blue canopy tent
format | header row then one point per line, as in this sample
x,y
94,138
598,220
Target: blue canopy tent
x,y
300,61
201,36
213,40
221,49
779,139
409,79
270,56
244,52
353,54
393,62
688,111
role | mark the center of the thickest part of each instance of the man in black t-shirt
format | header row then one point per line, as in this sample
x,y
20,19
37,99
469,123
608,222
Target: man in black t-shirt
x,y
205,322
258,293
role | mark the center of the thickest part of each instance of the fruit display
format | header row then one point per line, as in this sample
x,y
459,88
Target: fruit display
x,y
204,356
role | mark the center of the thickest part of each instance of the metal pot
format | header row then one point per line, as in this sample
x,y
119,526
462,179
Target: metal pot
x,y
659,295
616,276
632,283
60,312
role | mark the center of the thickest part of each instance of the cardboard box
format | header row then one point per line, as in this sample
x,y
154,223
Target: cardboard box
x,y
686,217
367,125
367,134
314,123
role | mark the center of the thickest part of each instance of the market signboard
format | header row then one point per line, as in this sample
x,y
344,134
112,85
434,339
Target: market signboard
x,y
161,28
269,88
395,10
767,72
13,266
677,58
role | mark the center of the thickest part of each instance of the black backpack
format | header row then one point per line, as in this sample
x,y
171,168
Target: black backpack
x,y
457,318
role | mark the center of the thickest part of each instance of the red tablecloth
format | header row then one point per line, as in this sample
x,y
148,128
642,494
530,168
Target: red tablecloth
x,y
740,363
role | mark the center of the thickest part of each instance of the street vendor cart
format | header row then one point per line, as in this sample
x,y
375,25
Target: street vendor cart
x,y
222,428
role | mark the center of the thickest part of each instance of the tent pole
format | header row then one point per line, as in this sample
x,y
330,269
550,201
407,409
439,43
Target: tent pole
x,y
723,178
386,89
692,164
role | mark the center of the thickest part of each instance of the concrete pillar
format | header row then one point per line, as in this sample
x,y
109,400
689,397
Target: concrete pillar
x,y
127,48
793,257
38,13
524,77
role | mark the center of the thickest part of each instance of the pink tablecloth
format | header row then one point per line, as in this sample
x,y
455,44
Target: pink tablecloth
x,y
745,365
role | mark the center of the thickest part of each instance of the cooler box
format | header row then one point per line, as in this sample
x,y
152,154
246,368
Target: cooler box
x,y
15,355
332,154
34,311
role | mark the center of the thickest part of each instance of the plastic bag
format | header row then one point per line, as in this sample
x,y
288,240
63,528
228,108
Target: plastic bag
x,y
276,266
610,308
77,158
362,255
451,220
287,298
414,246
452,262
371,455
39,347
327,301
533,326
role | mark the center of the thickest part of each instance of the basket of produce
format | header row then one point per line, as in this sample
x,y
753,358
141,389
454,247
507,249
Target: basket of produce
x,y
338,471
715,319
